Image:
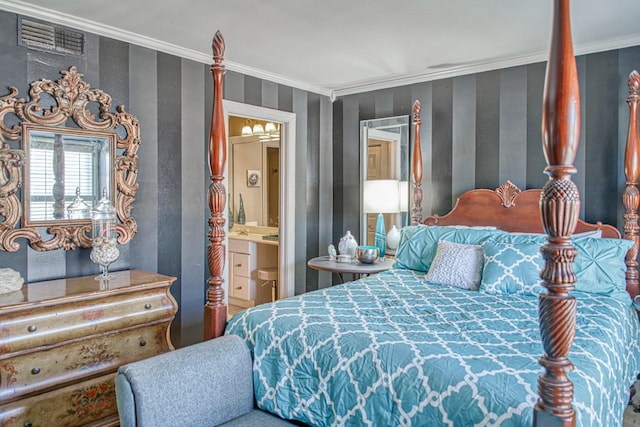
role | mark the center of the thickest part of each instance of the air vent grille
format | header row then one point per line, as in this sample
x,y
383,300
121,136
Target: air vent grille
x,y
50,37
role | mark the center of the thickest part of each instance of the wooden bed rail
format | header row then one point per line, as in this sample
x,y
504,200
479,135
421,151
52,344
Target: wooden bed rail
x,y
215,310
560,207
631,198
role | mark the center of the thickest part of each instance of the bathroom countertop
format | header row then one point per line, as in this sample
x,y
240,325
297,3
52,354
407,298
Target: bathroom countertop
x,y
254,234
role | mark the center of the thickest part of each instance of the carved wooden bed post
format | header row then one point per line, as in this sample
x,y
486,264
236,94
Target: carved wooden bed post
x,y
560,205
215,310
416,167
631,197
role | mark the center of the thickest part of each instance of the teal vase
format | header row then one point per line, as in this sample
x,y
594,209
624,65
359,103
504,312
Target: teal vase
x,y
381,236
241,216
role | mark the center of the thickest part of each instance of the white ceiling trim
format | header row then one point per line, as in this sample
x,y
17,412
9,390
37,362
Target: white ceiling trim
x,y
24,8
148,42
483,67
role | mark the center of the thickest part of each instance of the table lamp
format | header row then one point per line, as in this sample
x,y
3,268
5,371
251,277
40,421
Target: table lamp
x,y
380,196
393,236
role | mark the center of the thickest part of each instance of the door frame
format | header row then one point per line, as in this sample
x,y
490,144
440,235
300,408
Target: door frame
x,y
286,225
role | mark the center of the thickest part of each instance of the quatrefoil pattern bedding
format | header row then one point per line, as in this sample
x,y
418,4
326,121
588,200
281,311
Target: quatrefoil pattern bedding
x,y
392,350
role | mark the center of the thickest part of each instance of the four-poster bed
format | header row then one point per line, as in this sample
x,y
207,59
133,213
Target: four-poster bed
x,y
392,314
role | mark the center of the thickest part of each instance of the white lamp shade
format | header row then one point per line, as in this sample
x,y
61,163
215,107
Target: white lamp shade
x,y
403,189
258,129
381,196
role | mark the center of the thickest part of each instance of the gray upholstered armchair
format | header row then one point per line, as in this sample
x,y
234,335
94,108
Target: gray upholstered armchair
x,y
206,384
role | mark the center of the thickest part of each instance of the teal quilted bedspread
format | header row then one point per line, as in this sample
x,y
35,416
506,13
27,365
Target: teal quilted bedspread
x,y
391,350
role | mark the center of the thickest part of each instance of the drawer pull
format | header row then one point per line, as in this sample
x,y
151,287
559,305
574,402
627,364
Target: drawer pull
x,y
238,287
28,424
238,265
147,306
35,371
32,328
143,343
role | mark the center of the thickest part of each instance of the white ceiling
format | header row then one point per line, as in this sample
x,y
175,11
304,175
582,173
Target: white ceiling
x,y
338,47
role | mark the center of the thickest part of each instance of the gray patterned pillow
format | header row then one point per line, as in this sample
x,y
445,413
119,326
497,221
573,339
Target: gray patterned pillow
x,y
456,264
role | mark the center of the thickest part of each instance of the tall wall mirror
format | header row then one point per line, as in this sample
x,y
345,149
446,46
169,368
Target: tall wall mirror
x,y
60,151
384,174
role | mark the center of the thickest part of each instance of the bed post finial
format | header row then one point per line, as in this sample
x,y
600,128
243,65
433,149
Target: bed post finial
x,y
215,310
416,167
560,206
631,197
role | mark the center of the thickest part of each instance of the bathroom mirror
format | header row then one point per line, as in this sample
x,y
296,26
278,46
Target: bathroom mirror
x,y
384,155
254,171
58,152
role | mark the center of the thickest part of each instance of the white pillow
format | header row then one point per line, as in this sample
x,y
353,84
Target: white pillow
x,y
456,264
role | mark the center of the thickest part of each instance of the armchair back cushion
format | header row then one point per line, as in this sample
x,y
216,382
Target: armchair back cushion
x,y
204,384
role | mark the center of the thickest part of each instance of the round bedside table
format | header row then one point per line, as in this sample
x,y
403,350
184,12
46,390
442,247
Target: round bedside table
x,y
355,267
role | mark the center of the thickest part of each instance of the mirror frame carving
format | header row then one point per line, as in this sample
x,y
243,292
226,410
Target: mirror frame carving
x,y
72,96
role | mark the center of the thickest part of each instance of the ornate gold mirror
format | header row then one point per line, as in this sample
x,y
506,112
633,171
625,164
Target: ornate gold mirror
x,y
68,148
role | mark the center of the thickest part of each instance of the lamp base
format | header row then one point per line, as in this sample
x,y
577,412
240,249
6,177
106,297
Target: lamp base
x,y
381,236
393,238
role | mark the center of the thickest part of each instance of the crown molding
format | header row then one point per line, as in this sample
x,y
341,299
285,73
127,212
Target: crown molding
x,y
407,79
75,22
24,8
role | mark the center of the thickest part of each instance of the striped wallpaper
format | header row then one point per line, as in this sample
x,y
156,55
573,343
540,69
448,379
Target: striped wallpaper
x,y
171,97
478,131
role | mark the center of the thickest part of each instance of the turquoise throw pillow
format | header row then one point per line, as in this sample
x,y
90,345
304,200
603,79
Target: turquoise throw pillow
x,y
418,244
600,267
512,265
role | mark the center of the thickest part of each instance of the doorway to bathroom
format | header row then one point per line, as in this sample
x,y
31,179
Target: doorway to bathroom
x,y
273,160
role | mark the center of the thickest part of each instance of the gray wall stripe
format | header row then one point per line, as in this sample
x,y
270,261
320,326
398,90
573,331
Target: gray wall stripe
x,y
488,129
170,175
441,146
464,135
252,90
383,106
300,109
312,171
579,162
193,201
601,190
351,169
513,126
269,94
535,157
325,185
338,171
143,89
233,88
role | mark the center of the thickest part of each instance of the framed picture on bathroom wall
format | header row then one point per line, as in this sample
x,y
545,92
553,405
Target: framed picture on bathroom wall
x,y
253,178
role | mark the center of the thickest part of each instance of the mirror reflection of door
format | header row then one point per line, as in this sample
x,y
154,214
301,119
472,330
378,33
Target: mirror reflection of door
x,y
385,149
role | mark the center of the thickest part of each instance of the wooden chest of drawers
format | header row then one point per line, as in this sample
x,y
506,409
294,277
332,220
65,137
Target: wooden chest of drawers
x,y
62,342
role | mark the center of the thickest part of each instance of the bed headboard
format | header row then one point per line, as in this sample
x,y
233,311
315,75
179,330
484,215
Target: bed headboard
x,y
507,208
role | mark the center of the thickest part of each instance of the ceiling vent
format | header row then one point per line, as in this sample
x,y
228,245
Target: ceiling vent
x,y
50,37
